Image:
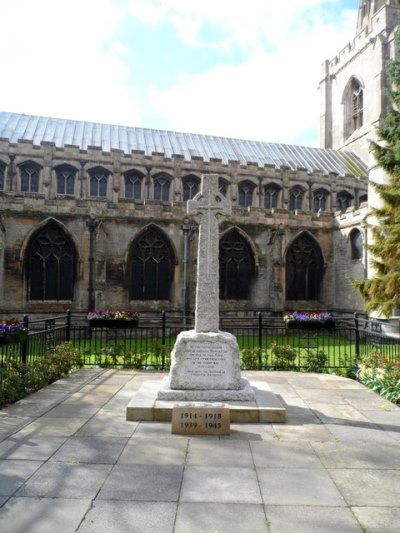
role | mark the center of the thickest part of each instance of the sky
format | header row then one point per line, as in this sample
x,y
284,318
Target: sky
x,y
247,69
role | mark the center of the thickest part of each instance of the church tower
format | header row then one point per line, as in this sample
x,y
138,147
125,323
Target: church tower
x,y
353,84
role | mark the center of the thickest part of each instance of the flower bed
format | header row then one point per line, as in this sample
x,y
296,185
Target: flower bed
x,y
113,319
12,331
304,320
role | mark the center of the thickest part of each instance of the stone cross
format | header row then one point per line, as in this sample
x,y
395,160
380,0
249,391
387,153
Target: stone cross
x,y
207,206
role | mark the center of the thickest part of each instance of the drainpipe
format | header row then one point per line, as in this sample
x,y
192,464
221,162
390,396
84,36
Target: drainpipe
x,y
91,224
11,171
187,229
82,162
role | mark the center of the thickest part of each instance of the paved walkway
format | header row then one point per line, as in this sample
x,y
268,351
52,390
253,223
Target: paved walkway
x,y
69,461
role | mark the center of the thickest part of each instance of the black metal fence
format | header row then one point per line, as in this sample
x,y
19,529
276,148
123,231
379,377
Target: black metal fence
x,y
149,345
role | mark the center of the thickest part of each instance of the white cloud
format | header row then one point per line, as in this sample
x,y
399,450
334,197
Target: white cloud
x,y
57,63
272,96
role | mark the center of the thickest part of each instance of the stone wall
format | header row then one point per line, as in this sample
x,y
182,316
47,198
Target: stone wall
x,y
268,232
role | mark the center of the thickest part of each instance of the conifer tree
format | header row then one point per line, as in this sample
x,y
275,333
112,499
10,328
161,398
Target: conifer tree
x,y
382,292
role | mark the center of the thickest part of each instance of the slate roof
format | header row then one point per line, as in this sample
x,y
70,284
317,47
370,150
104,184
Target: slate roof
x,y
61,132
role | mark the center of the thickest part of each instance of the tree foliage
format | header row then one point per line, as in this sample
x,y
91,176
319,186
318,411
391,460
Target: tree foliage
x,y
382,292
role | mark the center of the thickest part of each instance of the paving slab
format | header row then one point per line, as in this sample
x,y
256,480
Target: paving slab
x,y
52,427
378,519
367,487
220,484
14,473
220,517
286,454
300,519
221,453
66,480
299,430
30,447
107,423
143,483
11,424
298,486
360,431
42,515
128,516
102,450
154,451
358,455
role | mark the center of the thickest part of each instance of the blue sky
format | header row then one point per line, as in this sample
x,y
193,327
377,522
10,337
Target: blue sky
x,y
247,69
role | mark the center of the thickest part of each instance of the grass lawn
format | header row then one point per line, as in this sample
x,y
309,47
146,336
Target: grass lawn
x,y
139,351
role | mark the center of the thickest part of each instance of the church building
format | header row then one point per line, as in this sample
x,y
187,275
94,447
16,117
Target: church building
x,y
94,215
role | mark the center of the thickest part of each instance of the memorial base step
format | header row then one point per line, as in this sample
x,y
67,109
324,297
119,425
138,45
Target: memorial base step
x,y
265,407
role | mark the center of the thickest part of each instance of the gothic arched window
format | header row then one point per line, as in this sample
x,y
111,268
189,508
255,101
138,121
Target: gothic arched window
x,y
133,185
190,187
151,266
304,269
98,182
357,245
271,193
343,201
246,189
236,267
29,173
2,175
296,198
161,187
50,265
353,101
320,197
65,175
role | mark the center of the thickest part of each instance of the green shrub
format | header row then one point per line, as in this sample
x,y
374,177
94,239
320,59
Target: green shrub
x,y
17,380
381,375
283,357
250,358
315,361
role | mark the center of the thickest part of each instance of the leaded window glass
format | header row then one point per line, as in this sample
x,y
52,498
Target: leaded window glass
x,y
65,175
357,105
151,267
161,187
98,182
303,269
357,245
343,201
190,187
133,185
296,198
29,173
271,193
319,200
246,194
236,267
51,265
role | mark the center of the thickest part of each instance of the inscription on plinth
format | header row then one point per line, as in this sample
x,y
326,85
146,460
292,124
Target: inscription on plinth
x,y
205,361
192,419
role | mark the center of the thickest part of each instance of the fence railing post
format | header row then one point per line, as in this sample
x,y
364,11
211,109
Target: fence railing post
x,y
68,326
259,340
357,327
24,348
